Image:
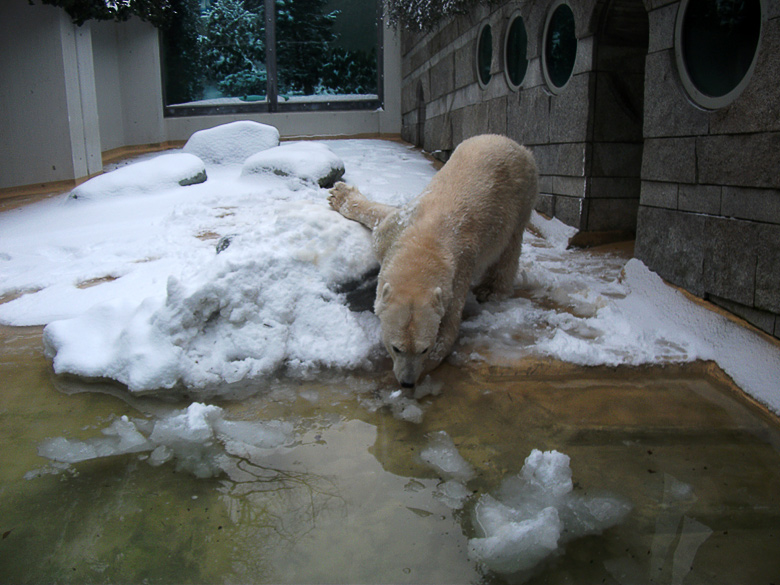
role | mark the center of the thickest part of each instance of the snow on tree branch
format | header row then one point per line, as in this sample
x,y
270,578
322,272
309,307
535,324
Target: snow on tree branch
x,y
157,12
423,15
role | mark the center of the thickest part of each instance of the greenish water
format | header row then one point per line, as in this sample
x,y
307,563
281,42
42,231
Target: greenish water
x,y
350,501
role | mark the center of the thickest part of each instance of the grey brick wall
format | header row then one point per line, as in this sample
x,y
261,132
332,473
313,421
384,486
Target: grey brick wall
x,y
622,147
709,215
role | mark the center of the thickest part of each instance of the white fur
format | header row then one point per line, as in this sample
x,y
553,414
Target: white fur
x,y
464,231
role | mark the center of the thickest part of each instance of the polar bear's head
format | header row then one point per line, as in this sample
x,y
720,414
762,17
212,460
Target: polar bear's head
x,y
410,327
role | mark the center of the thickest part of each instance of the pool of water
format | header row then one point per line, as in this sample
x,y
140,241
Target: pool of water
x,y
351,501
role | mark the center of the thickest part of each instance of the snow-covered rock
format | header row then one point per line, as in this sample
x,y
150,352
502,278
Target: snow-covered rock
x,y
232,143
312,162
164,172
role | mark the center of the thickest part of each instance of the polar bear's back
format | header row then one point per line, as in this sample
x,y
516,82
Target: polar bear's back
x,y
487,188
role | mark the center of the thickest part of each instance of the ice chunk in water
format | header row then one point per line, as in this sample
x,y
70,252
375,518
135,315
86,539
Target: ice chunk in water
x,y
535,513
199,439
402,407
548,472
452,494
121,437
514,546
443,457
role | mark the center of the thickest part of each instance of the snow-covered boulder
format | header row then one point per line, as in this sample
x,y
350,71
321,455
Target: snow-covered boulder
x,y
232,143
158,174
312,162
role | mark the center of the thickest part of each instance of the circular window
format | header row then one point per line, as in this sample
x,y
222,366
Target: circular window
x,y
516,52
484,54
716,44
560,47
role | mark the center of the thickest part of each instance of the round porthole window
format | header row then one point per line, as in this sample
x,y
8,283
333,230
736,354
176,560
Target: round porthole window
x,y
516,52
484,54
716,45
560,47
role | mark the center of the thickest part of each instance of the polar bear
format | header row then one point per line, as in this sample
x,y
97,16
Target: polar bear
x,y
465,230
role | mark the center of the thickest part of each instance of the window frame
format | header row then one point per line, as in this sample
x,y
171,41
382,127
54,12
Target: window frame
x,y
272,104
693,93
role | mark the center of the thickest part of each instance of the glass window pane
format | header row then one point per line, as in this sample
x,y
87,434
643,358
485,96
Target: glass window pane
x,y
214,53
233,49
326,47
516,52
560,50
719,42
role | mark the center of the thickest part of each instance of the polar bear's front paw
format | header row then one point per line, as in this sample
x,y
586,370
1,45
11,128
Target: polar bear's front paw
x,y
343,198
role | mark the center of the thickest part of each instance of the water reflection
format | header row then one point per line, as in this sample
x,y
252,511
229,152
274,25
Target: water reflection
x,y
352,496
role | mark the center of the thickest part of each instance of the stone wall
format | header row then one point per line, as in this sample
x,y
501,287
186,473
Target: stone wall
x,y
622,148
709,216
587,139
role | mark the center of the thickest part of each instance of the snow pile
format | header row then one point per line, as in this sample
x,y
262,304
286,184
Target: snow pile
x,y
312,162
556,233
535,514
752,362
232,143
132,287
264,303
167,171
198,438
632,328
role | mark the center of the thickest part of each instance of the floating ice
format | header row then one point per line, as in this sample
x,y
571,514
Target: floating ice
x,y
402,406
198,438
232,143
167,171
121,436
535,514
312,162
443,457
452,493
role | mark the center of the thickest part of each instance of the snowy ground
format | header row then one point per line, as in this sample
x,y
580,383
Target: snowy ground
x,y
126,275
131,287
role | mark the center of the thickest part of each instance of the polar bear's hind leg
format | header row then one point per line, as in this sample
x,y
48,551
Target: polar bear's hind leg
x,y
499,279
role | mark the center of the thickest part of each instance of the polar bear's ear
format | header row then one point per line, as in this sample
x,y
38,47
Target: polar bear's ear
x,y
382,298
438,301
386,292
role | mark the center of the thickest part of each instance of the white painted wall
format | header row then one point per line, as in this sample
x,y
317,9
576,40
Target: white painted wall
x,y
128,81
42,121
108,83
81,98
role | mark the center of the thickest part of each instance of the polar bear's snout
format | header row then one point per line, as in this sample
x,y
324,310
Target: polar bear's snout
x,y
407,368
410,327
